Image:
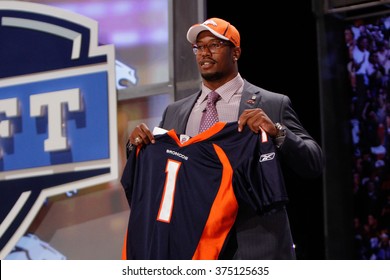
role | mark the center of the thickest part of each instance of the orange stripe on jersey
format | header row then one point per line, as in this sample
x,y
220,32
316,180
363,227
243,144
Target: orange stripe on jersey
x,y
222,214
138,149
124,248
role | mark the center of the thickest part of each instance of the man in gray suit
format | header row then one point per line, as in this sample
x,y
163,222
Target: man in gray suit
x,y
216,45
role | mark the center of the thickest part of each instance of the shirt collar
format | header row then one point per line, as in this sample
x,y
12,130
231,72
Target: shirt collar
x,y
227,90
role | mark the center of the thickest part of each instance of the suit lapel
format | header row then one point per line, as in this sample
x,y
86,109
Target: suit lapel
x,y
185,111
250,97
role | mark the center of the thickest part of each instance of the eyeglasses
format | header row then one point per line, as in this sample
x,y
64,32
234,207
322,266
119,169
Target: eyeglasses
x,y
212,46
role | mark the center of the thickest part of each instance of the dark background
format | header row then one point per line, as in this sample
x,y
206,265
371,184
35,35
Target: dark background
x,y
279,53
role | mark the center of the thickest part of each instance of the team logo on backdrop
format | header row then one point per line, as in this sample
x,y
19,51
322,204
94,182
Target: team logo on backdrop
x,y
57,111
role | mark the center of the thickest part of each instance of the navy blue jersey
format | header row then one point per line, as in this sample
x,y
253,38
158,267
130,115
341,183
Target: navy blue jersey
x,y
184,197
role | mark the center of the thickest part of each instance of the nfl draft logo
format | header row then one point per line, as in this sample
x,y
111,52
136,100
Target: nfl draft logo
x,y
58,127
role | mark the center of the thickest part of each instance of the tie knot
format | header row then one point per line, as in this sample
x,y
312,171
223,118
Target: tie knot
x,y
210,114
212,97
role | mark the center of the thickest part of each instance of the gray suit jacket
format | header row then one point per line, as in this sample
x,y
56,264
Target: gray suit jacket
x,y
267,236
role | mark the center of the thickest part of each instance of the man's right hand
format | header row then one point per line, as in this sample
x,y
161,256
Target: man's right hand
x,y
141,135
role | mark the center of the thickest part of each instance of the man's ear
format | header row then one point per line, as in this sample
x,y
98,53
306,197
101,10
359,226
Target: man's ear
x,y
236,53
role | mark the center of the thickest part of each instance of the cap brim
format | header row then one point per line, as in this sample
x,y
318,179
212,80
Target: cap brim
x,y
193,32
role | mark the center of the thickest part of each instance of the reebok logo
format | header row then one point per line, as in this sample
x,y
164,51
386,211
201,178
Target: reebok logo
x,y
267,157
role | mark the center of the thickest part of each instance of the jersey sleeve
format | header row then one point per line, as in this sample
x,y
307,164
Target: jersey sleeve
x,y
258,180
128,175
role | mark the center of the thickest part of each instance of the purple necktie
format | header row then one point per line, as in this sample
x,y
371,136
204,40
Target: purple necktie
x,y
210,115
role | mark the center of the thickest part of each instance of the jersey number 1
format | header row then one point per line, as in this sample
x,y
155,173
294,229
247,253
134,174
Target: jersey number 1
x,y
168,197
